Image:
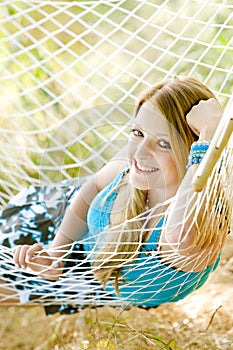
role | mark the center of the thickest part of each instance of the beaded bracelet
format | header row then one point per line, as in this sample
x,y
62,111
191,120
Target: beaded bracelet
x,y
197,152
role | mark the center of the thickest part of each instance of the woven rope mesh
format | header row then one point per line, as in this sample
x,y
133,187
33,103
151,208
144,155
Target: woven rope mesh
x,y
59,59
72,70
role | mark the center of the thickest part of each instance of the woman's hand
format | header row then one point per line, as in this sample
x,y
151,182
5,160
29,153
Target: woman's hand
x,y
38,260
204,118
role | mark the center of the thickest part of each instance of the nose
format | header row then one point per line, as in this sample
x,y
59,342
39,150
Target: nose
x,y
143,151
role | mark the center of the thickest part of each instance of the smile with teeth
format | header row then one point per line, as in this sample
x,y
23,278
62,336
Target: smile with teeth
x,y
144,168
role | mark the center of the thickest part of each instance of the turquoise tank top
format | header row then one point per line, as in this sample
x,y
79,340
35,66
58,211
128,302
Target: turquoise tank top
x,y
148,282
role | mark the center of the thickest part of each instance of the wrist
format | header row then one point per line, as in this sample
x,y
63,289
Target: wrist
x,y
206,135
197,152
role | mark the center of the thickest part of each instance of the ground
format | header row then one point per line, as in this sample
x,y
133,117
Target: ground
x,y
204,320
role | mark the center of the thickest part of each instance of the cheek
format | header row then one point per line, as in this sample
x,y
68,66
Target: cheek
x,y
173,170
131,149
170,169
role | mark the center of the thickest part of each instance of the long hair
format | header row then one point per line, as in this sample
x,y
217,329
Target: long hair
x,y
174,98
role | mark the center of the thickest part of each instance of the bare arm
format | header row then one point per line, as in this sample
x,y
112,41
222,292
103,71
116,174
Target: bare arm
x,y
185,226
73,226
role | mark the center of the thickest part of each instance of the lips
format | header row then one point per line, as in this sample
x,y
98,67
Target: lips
x,y
144,169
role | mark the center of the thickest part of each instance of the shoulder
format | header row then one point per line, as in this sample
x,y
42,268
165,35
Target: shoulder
x,y
108,173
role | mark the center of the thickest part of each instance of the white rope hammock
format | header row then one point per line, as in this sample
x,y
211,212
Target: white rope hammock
x,y
70,73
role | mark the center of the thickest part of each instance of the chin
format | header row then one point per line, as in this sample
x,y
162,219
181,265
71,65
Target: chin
x,y
140,187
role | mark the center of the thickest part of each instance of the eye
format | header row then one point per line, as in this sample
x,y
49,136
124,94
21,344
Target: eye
x,y
137,133
164,144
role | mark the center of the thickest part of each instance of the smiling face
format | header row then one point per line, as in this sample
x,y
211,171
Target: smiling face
x,y
152,162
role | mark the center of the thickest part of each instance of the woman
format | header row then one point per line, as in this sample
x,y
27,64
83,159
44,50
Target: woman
x,y
137,239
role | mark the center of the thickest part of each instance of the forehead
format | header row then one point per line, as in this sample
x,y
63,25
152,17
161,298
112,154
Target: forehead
x,y
150,119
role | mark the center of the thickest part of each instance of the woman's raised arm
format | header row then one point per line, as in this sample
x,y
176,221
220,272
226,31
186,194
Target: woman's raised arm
x,y
183,230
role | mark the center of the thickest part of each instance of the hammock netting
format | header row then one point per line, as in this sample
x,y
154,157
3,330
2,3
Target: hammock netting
x,y
70,74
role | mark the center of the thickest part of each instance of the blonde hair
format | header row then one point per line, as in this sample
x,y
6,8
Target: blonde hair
x,y
174,98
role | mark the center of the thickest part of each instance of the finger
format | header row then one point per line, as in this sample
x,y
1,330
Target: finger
x,y
57,265
195,130
53,273
35,248
41,261
22,256
16,252
14,249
